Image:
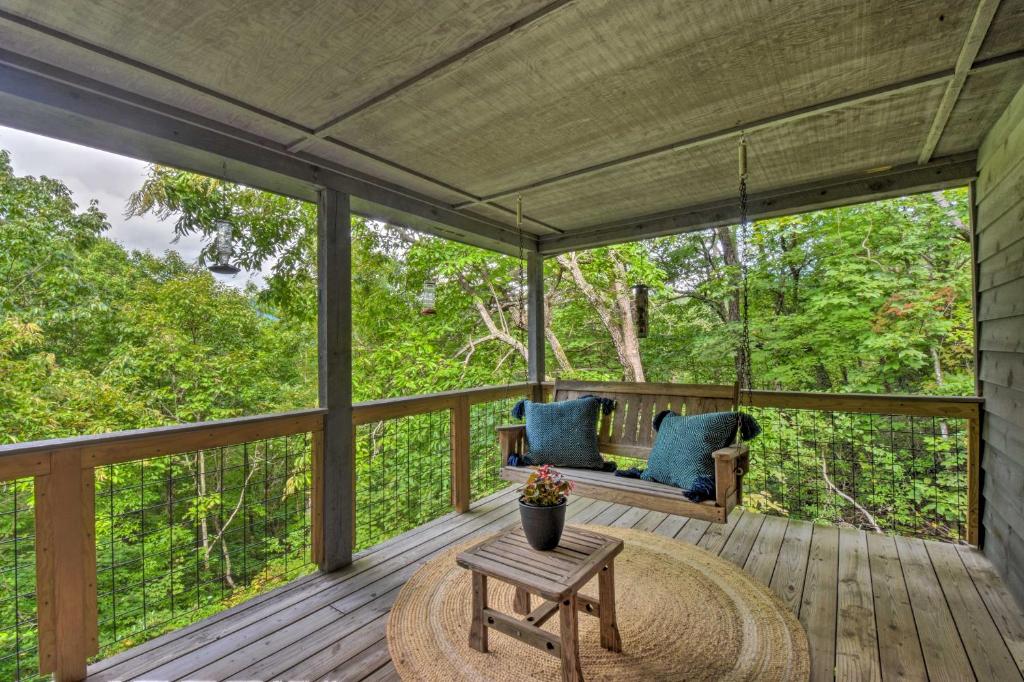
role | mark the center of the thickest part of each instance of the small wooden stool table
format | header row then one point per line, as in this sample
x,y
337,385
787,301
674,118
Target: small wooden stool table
x,y
556,577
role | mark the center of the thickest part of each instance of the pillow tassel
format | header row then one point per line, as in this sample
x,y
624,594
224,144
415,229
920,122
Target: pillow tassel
x,y
519,409
749,428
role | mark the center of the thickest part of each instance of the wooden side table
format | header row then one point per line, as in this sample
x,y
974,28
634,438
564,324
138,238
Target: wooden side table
x,y
556,577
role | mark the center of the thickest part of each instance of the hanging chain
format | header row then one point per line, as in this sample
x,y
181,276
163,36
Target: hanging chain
x,y
744,370
522,281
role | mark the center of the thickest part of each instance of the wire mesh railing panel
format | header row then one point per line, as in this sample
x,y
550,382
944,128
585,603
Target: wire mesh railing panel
x,y
485,458
19,644
180,537
897,474
403,475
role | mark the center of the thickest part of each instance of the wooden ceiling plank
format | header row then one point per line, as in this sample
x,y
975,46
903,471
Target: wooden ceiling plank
x,y
983,16
909,179
754,126
370,155
725,133
330,126
307,133
90,110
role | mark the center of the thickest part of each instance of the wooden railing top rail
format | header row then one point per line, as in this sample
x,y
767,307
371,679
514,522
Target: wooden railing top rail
x,y
407,406
868,403
33,458
119,446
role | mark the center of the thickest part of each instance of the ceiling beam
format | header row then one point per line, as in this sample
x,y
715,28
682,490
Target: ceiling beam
x,y
909,179
749,127
251,109
44,99
330,126
976,33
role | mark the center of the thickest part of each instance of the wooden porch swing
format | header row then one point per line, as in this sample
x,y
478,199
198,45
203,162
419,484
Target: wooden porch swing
x,y
628,429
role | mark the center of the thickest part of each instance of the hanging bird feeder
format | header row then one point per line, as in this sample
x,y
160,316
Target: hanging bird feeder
x,y
640,301
224,246
428,297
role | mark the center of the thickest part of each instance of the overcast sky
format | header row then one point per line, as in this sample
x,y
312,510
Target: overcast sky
x,y
108,178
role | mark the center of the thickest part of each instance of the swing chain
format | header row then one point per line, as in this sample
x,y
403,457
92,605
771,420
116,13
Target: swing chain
x,y
745,376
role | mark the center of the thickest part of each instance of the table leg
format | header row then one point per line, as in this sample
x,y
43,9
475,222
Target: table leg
x,y
570,636
478,628
610,638
521,602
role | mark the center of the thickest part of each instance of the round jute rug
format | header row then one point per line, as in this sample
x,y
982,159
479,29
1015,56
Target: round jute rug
x,y
683,614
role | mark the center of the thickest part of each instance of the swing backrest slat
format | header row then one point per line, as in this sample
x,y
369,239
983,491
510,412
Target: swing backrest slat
x,y
628,429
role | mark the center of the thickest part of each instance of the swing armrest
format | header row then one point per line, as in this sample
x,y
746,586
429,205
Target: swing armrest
x,y
511,438
730,465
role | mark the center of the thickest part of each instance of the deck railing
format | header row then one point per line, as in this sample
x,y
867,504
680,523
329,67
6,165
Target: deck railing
x,y
905,465
108,540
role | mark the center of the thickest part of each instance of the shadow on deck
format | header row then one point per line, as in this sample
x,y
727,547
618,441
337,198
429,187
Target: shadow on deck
x,y
873,606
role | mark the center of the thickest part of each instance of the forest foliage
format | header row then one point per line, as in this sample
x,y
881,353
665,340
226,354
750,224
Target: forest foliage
x,y
872,298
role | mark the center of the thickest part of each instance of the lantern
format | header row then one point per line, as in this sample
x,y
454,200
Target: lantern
x,y
428,297
223,244
640,309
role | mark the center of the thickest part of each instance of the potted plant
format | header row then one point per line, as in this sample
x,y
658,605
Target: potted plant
x,y
542,507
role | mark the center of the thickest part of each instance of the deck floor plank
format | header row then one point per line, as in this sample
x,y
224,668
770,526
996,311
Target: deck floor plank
x,y
819,604
1005,611
741,540
943,650
874,607
791,568
899,647
985,647
856,636
764,554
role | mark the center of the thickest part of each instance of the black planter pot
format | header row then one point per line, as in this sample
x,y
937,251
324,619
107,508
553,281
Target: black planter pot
x,y
542,525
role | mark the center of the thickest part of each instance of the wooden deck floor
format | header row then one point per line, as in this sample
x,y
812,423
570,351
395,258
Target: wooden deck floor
x,y
874,607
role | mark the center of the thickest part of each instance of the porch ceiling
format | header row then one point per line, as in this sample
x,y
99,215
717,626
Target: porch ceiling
x,y
615,120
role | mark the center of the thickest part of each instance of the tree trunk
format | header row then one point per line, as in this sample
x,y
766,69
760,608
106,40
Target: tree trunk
x,y
626,350
731,258
204,529
939,381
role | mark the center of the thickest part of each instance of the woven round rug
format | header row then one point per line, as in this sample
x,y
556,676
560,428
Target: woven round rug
x,y
683,614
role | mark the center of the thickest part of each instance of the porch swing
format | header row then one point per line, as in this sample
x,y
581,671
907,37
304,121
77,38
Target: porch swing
x,y
627,429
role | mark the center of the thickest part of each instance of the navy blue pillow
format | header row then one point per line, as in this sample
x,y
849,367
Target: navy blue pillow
x,y
564,433
682,452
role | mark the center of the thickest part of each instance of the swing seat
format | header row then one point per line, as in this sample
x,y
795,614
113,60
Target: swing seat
x,y
628,431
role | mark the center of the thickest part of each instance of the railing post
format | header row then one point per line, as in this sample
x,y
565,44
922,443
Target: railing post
x,y
974,478
316,501
460,426
66,566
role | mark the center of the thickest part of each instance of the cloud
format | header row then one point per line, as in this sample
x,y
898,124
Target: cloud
x,y
110,179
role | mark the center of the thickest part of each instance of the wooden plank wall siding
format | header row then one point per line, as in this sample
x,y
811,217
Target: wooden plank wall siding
x,y
999,275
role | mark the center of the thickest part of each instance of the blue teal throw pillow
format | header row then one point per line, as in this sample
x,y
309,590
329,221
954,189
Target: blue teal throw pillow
x,y
682,452
564,433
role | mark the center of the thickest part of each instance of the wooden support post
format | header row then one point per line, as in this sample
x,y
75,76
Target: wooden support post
x,y
974,479
334,276
66,567
535,324
460,426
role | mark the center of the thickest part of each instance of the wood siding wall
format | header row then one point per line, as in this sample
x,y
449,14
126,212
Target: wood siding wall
x,y
999,201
